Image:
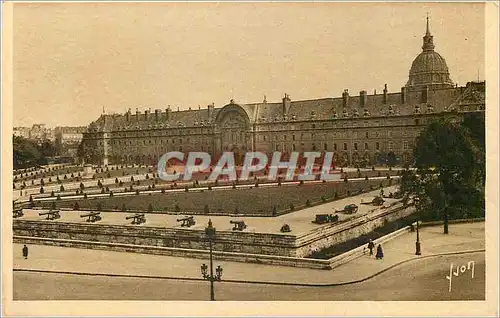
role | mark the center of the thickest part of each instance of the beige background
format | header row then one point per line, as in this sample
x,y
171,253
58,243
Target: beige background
x,y
26,108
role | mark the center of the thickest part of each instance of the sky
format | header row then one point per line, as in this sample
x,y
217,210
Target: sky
x,y
72,60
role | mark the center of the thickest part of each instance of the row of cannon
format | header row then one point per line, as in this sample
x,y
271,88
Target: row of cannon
x,y
137,218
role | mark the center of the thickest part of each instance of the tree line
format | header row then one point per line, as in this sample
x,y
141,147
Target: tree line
x,y
448,179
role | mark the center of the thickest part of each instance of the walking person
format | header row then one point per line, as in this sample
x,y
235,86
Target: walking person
x,y
25,252
380,253
371,246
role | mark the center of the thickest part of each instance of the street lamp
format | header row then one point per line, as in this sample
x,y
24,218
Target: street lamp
x,y
210,233
417,243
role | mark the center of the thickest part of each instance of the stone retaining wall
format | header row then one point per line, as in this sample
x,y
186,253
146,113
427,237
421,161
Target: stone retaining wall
x,y
235,242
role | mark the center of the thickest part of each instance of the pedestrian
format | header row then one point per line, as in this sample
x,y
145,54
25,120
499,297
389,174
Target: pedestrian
x,y
25,252
380,253
371,246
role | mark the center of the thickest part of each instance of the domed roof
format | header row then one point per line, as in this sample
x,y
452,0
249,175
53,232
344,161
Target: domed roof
x,y
429,67
428,62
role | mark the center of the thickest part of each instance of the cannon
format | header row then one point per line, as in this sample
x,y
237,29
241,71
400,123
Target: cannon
x,y
285,228
187,221
349,209
51,215
326,218
138,218
238,225
92,216
17,213
377,201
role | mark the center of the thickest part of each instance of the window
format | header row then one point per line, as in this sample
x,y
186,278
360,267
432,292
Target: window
x,y
366,146
390,145
293,137
313,125
367,135
345,146
326,146
389,134
293,147
377,146
276,148
275,137
284,137
417,122
405,145
335,147
314,147
265,138
355,146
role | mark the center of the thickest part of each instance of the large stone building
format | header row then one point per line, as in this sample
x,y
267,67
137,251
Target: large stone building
x,y
360,129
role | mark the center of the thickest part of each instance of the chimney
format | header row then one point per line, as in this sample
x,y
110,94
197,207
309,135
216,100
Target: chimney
x,y
168,111
345,98
127,115
385,94
363,98
210,111
137,113
157,114
403,95
425,94
146,114
286,105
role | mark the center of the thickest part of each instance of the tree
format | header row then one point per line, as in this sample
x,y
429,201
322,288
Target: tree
x,y
449,178
391,159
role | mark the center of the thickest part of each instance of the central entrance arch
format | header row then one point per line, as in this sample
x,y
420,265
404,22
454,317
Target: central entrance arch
x,y
233,131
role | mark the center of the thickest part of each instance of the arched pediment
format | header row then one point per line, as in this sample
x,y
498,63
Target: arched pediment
x,y
232,112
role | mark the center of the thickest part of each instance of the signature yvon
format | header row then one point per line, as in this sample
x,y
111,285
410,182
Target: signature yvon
x,y
460,270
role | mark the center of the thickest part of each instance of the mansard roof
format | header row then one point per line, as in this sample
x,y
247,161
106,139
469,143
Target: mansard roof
x,y
438,100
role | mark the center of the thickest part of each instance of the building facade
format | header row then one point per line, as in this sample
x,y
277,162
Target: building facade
x,y
360,129
68,140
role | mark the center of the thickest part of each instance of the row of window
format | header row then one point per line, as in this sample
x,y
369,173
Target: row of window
x,y
355,146
343,135
181,132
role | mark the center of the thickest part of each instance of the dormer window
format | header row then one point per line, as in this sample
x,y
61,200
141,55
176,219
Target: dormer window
x,y
366,112
417,109
344,113
430,109
356,113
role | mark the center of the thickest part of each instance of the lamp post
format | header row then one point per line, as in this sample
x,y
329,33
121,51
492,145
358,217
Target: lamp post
x,y
417,243
210,233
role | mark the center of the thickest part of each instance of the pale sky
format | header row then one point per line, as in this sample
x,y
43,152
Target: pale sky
x,y
71,60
